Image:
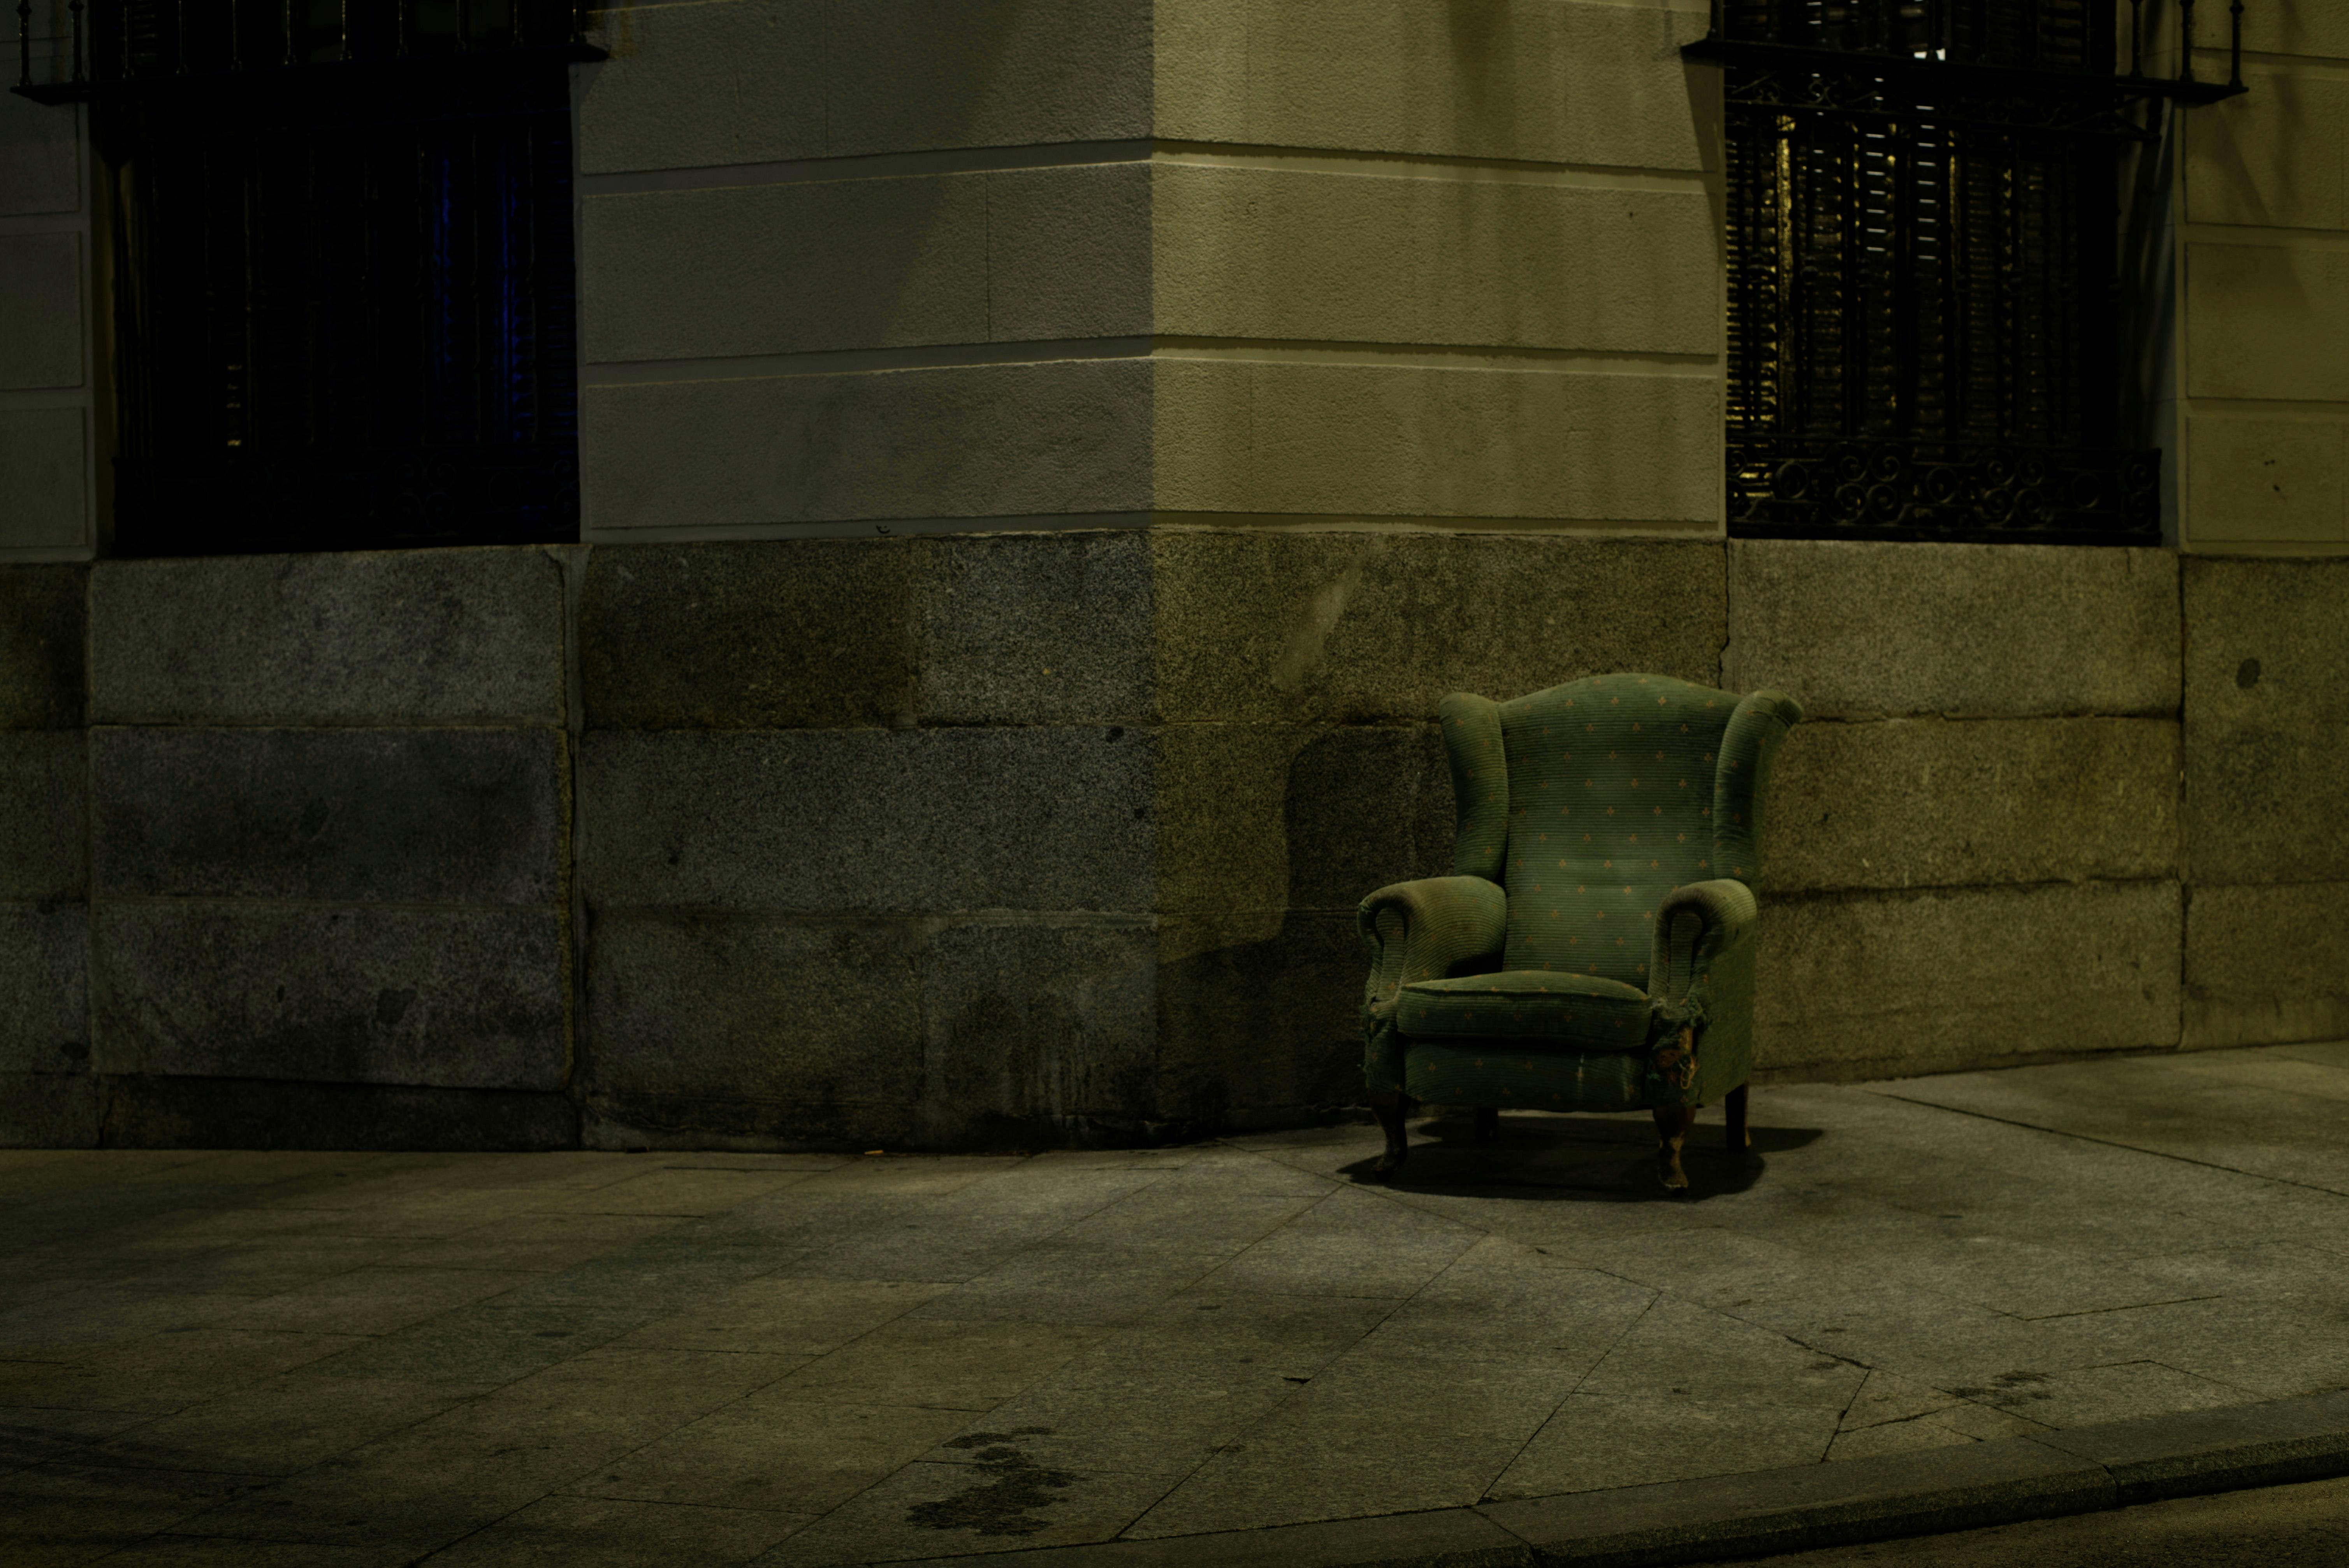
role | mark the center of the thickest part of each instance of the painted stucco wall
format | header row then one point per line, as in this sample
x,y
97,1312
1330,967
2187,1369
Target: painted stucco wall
x,y
48,504
1061,264
2259,248
1389,229
2257,257
850,268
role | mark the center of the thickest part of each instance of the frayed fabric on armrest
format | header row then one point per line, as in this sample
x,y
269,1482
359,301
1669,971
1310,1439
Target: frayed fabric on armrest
x,y
1696,924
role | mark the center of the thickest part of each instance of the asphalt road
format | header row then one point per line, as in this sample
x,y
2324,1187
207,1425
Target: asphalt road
x,y
2303,1526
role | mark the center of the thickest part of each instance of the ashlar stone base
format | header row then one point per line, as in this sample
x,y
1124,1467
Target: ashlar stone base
x,y
1020,840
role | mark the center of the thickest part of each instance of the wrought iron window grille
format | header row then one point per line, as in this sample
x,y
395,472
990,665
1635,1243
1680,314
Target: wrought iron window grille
x,y
2020,49
1923,265
115,47
344,309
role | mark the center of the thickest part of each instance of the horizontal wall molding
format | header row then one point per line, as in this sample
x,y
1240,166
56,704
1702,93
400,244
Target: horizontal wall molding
x,y
2289,408
959,355
1632,530
873,528
2266,549
1190,154
1914,892
867,166
1437,356
852,361
2268,236
1429,166
237,904
1635,530
2297,65
404,726
914,922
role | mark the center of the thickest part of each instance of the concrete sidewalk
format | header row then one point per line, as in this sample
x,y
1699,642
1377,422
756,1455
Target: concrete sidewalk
x,y
806,1359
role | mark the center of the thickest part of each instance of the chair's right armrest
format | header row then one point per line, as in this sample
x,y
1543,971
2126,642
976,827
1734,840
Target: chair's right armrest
x,y
1694,924
1419,930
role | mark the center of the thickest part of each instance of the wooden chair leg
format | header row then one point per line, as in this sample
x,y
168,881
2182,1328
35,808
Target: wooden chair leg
x,y
1733,1106
1389,1108
1489,1124
1672,1123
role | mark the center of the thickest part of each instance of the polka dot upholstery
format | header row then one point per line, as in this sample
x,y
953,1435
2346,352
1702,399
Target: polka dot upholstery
x,y
1610,808
1620,816
1445,1072
1480,784
1528,1004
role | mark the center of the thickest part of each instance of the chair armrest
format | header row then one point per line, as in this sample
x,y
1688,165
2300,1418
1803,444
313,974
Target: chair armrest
x,y
1693,924
1419,930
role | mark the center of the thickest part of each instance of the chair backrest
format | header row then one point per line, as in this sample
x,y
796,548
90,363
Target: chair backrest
x,y
1590,802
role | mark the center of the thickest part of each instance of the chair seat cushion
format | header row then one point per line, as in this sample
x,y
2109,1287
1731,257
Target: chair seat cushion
x,y
1525,1075
1585,1011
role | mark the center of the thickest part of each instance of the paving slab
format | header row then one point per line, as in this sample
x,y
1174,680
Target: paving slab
x,y
2267,1444
1919,1305
780,1455
2305,1523
1809,1505
606,1532
2224,1108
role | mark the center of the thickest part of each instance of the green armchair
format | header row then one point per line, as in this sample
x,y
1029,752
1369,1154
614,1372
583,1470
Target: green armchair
x,y
1593,948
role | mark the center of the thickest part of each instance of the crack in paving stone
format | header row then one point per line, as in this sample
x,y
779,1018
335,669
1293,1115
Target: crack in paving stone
x,y
2099,1311
1000,1507
1894,1421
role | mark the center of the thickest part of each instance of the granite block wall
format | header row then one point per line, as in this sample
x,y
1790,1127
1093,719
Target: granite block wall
x,y
1028,839
47,1096
867,842
1974,852
2267,747
328,857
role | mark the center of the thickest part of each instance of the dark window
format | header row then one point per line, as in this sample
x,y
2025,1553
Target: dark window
x,y
1923,297
344,305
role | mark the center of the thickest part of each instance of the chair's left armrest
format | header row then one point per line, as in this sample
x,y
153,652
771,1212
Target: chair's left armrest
x,y
1694,924
1419,930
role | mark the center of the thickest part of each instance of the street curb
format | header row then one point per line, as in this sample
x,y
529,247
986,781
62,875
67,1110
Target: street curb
x,y
1789,1509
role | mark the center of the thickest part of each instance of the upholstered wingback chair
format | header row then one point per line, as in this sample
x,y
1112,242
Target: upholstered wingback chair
x,y
1593,947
